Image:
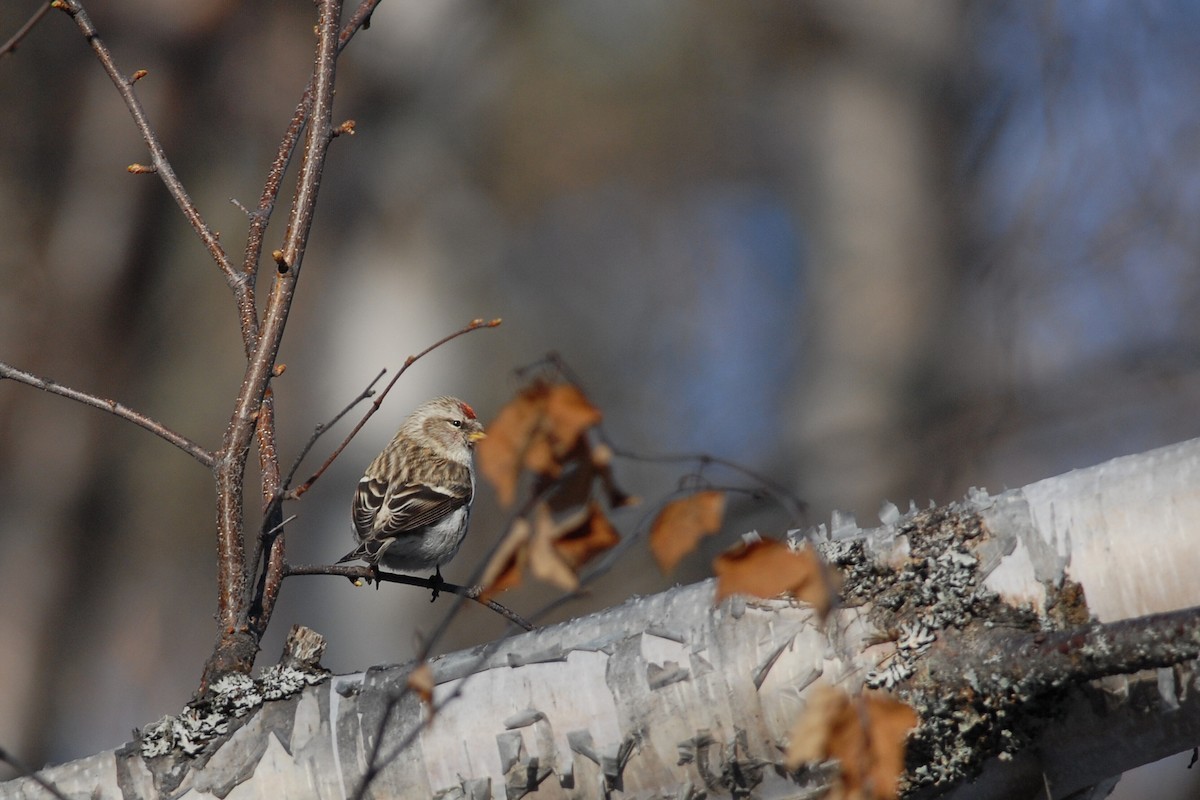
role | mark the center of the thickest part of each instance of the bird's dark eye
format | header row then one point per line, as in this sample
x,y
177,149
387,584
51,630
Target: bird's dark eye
x,y
456,423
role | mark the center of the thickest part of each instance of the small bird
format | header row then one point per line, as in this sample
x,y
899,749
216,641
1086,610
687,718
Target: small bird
x,y
413,503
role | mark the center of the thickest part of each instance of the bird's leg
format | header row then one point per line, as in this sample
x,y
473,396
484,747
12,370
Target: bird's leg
x,y
436,577
375,574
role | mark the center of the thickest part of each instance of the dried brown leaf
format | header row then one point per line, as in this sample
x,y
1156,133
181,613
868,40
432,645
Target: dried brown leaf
x,y
592,536
769,568
564,416
573,488
569,413
538,430
808,742
890,722
503,570
681,525
559,548
866,735
420,680
544,561
500,454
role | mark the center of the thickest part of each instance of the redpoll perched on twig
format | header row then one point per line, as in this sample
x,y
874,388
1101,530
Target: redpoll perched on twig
x,y
413,503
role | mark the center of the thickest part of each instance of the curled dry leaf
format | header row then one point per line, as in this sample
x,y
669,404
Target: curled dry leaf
x,y
569,414
503,570
572,489
544,562
591,537
420,680
499,455
769,568
866,735
558,550
681,525
537,430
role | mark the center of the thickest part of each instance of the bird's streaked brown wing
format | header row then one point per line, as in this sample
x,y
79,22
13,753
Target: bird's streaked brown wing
x,y
367,501
414,507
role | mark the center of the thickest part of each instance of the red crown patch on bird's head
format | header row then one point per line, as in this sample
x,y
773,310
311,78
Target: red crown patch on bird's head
x,y
466,409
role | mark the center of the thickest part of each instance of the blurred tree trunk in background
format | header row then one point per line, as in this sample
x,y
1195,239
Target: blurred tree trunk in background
x,y
873,120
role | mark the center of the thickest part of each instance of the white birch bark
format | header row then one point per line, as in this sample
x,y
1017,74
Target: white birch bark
x,y
669,696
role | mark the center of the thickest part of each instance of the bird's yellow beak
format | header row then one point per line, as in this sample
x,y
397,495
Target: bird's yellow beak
x,y
475,436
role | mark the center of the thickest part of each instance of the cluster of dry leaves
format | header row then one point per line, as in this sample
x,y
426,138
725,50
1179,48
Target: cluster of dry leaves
x,y
547,436
564,522
545,433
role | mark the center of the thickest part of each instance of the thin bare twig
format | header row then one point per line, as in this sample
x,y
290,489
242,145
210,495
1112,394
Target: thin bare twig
x,y
113,407
10,47
792,504
474,325
375,764
356,573
265,589
262,601
273,504
320,430
261,217
795,507
158,156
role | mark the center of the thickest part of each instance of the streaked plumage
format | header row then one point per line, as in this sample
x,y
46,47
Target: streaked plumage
x,y
412,506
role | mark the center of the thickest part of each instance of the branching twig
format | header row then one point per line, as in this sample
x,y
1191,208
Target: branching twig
x,y
792,504
375,761
356,573
10,47
157,155
320,430
261,217
261,603
237,644
264,593
375,764
605,563
474,325
113,407
270,576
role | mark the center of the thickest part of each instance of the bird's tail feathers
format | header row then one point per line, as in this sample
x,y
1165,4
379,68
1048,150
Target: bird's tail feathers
x,y
369,550
353,555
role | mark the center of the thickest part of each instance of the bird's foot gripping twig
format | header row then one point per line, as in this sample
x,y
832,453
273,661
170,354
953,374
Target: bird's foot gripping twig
x,y
372,576
436,580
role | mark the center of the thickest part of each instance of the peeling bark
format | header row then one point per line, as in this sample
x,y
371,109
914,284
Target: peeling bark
x,y
1020,648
